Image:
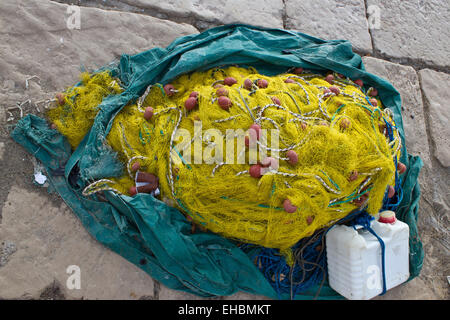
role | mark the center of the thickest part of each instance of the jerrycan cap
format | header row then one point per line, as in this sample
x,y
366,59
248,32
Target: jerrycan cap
x,y
387,216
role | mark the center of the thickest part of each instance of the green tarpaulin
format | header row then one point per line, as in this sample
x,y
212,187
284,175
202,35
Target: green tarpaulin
x,y
156,237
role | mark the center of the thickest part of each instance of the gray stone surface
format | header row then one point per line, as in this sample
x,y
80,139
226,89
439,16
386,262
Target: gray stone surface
x,y
40,237
406,81
205,13
433,206
2,149
47,239
7,248
35,40
413,30
331,19
435,89
47,236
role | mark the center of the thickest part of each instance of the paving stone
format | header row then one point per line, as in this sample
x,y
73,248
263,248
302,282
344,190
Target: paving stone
x,y
47,239
2,150
40,38
435,91
7,248
331,19
416,289
416,30
406,81
245,296
35,40
168,294
266,13
434,182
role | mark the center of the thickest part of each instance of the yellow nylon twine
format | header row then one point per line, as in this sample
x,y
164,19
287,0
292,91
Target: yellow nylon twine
x,y
343,154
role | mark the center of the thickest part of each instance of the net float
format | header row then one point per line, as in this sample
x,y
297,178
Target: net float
x,y
353,175
270,162
222,91
248,84
326,91
247,141
345,123
262,83
135,166
292,156
276,101
255,171
329,78
257,128
148,113
132,191
401,167
61,98
288,206
359,82
169,90
303,125
229,81
190,103
361,200
335,90
224,102
391,191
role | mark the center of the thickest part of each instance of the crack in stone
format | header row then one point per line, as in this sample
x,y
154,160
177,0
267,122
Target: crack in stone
x,y
417,64
368,27
426,112
201,25
151,11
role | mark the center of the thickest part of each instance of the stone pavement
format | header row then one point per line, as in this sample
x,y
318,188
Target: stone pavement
x,y
405,42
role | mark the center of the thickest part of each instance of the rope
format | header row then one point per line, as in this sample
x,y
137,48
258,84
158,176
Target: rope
x,y
309,268
364,221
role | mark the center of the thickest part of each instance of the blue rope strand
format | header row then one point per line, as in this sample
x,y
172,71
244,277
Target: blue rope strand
x,y
313,265
364,221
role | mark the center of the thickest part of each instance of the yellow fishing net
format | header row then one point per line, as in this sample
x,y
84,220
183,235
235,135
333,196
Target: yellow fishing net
x,y
77,108
344,159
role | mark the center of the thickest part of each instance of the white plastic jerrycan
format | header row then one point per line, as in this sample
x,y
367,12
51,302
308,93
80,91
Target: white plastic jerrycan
x,y
355,261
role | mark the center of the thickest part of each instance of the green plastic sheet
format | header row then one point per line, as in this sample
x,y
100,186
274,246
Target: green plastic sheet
x,y
156,237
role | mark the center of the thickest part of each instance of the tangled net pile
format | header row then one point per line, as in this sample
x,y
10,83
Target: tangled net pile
x,y
334,155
